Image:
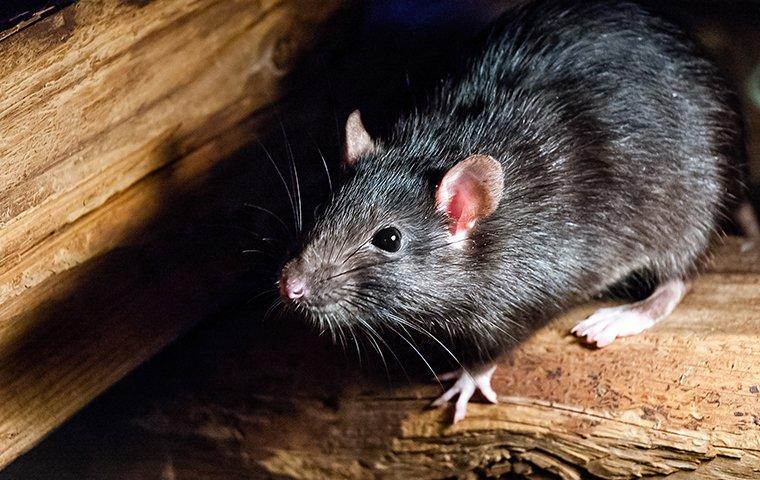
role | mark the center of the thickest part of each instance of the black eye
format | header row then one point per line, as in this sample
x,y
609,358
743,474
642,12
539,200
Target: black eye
x,y
388,239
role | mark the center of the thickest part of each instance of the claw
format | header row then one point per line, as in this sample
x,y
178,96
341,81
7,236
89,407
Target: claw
x,y
468,382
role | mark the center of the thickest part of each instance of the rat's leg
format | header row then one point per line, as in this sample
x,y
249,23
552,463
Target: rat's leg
x,y
468,381
609,323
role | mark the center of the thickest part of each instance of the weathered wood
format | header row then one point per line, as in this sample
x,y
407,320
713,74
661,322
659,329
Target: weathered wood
x,y
681,400
100,95
111,112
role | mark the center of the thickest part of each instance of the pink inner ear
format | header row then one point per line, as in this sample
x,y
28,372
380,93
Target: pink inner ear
x,y
470,191
461,208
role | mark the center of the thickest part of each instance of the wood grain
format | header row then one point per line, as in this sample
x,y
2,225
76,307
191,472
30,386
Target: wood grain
x,y
681,400
102,94
112,112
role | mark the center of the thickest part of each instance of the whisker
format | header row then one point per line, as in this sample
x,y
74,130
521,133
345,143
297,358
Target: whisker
x,y
294,176
251,250
433,337
356,343
374,333
416,350
353,253
342,335
276,217
352,270
324,162
398,318
368,329
261,294
277,303
282,179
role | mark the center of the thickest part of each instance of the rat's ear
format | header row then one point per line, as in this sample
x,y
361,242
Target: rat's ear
x,y
471,190
358,142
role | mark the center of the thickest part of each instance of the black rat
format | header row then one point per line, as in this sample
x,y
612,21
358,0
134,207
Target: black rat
x,y
585,143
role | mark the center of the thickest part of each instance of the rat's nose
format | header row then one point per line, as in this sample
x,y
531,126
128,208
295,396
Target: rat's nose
x,y
292,287
296,289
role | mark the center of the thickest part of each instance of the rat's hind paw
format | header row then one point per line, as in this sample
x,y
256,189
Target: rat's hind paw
x,y
468,381
607,324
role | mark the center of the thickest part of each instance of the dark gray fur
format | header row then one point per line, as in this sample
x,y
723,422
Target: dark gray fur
x,y
619,144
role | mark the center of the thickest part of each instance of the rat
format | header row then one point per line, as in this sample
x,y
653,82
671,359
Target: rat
x,y
584,144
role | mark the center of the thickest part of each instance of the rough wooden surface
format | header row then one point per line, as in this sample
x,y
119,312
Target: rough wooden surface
x,y
681,400
101,94
112,115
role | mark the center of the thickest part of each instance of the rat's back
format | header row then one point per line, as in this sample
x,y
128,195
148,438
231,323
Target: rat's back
x,y
618,142
621,148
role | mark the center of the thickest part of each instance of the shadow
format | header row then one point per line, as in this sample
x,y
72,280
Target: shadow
x,y
190,261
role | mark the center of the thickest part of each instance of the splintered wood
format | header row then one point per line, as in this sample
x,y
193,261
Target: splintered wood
x,y
681,400
109,111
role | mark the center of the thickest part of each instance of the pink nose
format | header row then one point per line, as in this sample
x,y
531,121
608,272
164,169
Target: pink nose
x,y
293,288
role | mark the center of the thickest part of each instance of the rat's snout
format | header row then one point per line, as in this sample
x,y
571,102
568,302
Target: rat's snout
x,y
311,285
295,288
293,283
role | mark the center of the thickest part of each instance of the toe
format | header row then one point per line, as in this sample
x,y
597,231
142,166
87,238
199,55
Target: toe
x,y
622,325
444,377
603,339
590,324
594,329
605,334
460,410
483,383
446,397
580,326
489,393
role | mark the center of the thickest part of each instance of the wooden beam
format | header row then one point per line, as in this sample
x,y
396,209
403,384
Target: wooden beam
x,y
113,117
681,400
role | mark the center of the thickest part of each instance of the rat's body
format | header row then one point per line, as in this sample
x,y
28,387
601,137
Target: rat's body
x,y
584,144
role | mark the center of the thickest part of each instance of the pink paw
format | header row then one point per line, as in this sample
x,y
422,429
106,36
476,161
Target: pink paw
x,y
604,326
607,324
467,383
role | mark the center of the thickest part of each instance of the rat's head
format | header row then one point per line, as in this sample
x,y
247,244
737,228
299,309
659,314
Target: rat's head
x,y
393,245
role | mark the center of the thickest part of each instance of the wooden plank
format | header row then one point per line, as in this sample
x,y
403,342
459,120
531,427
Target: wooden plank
x,y
114,118
681,400
100,95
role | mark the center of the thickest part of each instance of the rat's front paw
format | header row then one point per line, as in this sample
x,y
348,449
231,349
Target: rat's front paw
x,y
468,381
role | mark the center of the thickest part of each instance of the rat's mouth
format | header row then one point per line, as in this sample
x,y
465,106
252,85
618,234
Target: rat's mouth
x,y
322,310
328,312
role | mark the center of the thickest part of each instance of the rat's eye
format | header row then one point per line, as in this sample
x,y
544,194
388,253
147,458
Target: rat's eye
x,y
388,239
